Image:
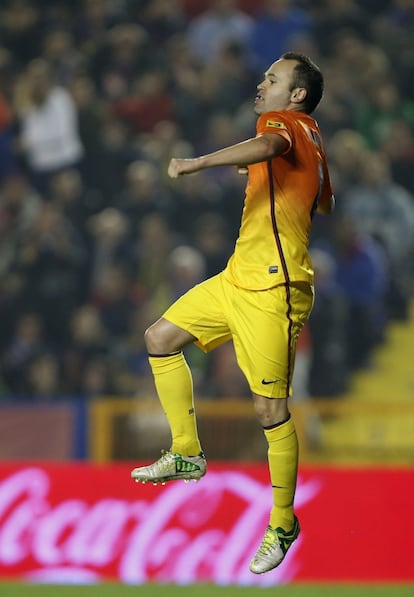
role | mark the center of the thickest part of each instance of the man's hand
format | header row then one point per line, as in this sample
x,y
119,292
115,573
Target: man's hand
x,y
177,167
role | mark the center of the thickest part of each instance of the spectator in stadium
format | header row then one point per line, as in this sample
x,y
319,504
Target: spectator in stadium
x,y
328,324
222,22
91,119
22,30
142,194
43,377
398,146
26,343
362,273
50,259
211,237
146,103
227,81
115,301
187,93
125,51
274,29
385,211
161,18
47,116
382,105
88,342
109,230
60,52
155,241
334,16
77,202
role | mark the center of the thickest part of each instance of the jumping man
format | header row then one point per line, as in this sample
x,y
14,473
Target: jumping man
x,y
262,298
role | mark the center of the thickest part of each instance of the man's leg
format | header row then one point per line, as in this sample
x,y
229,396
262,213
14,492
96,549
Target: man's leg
x,y
280,434
199,316
174,385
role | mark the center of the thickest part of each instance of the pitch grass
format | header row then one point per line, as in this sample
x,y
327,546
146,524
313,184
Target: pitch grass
x,y
154,590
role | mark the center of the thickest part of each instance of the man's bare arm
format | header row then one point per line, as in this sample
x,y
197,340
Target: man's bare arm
x,y
258,149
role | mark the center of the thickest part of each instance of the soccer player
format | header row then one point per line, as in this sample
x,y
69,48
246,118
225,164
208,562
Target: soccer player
x,y
262,298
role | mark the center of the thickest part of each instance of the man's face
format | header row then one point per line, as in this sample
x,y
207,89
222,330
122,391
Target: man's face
x,y
275,91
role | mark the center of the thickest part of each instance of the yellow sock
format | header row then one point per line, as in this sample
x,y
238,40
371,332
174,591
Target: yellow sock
x,y
283,466
174,385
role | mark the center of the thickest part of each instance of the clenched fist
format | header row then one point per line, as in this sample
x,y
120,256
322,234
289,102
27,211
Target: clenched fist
x,y
178,167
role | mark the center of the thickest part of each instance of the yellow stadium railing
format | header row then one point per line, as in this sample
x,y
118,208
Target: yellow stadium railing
x,y
340,431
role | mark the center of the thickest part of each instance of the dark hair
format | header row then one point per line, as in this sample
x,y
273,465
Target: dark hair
x,y
308,75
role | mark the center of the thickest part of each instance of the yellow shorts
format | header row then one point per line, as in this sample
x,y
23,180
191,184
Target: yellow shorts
x,y
264,326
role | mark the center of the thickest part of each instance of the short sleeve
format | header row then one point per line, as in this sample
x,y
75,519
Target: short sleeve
x,y
275,123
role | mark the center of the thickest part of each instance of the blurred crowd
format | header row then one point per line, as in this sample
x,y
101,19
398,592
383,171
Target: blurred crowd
x,y
96,241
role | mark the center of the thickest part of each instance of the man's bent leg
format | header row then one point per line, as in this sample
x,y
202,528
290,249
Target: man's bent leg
x,y
283,527
174,386
174,383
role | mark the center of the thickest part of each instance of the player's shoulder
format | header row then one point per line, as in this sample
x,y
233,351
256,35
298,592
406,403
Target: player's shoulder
x,y
284,119
274,122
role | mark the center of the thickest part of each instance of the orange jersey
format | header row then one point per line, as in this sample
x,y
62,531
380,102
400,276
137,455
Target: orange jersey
x,y
281,197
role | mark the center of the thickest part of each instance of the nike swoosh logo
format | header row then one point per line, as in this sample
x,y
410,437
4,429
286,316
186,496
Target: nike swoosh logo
x,y
266,383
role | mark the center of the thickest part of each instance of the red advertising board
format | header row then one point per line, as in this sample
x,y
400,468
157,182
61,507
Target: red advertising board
x,y
83,523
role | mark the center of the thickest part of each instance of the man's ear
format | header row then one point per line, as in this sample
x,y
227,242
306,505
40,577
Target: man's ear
x,y
298,95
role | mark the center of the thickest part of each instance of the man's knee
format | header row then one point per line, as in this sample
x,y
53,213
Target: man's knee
x,y
155,339
270,411
163,337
